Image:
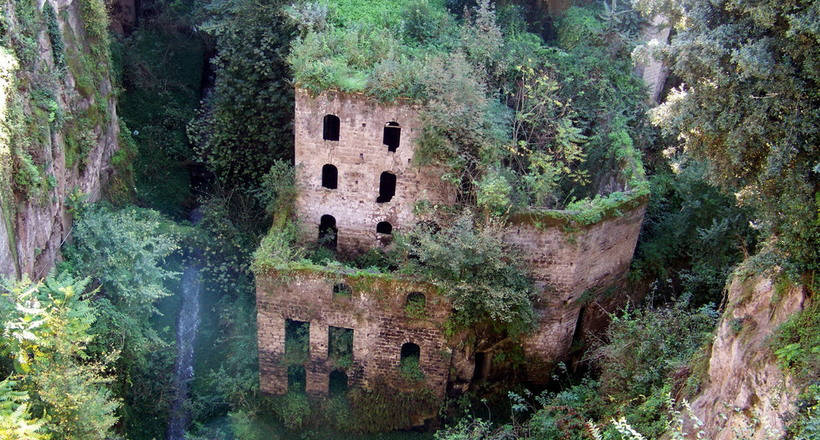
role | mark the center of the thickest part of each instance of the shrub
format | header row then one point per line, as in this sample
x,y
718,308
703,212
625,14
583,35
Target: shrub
x,y
477,270
293,409
796,343
645,346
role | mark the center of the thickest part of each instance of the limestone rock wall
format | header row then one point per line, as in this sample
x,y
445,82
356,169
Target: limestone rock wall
x,y
746,394
653,71
374,310
35,226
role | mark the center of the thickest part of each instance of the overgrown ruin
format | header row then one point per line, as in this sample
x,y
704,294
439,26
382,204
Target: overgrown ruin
x,y
357,184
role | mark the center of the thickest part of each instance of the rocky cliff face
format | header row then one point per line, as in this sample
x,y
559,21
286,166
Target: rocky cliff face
x,y
59,126
746,395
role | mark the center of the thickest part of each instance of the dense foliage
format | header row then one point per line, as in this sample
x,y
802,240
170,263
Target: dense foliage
x,y
160,66
749,104
692,237
513,121
52,388
473,267
245,121
129,254
636,389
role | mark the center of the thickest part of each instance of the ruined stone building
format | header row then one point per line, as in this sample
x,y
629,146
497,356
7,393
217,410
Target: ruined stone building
x,y
357,184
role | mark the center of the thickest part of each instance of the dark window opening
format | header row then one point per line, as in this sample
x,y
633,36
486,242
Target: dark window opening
x,y
387,187
384,228
342,290
340,346
330,129
409,351
330,176
337,383
297,341
409,365
296,378
392,136
328,232
482,366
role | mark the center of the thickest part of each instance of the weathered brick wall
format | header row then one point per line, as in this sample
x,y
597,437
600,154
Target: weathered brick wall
x,y
360,157
565,265
376,313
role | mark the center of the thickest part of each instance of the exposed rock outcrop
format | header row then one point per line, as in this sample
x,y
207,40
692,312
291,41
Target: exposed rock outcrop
x,y
59,125
746,394
653,71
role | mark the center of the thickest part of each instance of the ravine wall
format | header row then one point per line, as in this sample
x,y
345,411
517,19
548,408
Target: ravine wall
x,y
35,224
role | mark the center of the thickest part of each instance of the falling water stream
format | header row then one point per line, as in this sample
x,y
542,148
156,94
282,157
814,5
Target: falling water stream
x,y
187,326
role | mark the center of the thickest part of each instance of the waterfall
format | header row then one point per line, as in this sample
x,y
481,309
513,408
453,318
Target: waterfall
x,y
187,326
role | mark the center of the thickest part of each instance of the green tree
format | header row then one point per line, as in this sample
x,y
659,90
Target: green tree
x,y
477,270
124,252
46,331
750,105
245,122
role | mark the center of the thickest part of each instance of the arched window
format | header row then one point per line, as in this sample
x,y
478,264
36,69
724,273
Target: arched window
x,y
330,176
384,228
392,136
337,382
330,128
387,187
410,351
328,232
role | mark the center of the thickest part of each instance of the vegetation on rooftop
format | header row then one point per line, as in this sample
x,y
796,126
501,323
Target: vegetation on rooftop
x,y
516,122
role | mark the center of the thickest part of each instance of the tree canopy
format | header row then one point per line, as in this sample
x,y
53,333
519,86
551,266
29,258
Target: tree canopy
x,y
749,103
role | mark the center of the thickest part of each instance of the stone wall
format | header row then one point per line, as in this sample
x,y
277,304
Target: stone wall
x,y
360,157
375,311
566,265
34,228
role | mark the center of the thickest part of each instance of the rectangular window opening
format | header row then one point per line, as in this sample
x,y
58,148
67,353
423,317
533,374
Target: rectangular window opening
x,y
340,346
297,341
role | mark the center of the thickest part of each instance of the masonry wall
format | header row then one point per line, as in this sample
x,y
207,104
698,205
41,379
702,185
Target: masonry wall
x,y
565,266
360,157
375,311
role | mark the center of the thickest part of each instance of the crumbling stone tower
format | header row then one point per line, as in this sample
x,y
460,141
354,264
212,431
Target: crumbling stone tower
x,y
357,184
355,172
